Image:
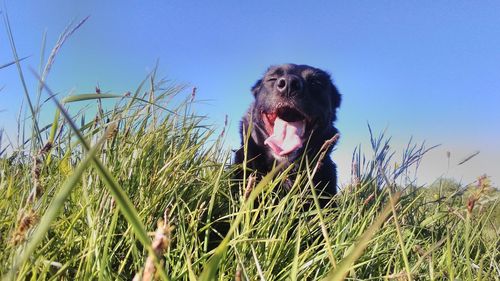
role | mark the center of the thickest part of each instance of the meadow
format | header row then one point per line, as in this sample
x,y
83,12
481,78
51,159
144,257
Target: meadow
x,y
134,186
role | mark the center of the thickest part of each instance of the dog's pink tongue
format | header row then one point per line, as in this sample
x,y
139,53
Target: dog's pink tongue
x,y
286,136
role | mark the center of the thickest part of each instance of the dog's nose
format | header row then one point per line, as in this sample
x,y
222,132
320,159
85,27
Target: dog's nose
x,y
289,85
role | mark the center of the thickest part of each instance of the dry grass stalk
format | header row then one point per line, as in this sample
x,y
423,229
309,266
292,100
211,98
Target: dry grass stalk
x,y
161,242
37,170
324,150
250,185
24,223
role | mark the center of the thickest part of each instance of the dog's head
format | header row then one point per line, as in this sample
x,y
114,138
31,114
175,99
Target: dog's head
x,y
291,102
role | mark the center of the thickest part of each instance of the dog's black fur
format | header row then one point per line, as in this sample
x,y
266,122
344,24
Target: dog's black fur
x,y
292,92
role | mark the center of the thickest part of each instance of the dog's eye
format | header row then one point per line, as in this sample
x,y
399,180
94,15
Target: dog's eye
x,y
272,79
315,83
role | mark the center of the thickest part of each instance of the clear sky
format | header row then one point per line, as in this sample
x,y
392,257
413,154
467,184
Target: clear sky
x,y
427,69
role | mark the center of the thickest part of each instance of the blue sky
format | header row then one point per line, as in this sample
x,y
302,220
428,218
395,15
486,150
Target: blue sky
x,y
427,69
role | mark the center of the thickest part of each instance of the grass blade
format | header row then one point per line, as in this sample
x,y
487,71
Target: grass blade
x,y
84,97
13,62
36,130
127,208
212,265
54,208
345,265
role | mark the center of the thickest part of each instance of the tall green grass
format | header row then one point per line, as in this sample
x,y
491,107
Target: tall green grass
x,y
137,189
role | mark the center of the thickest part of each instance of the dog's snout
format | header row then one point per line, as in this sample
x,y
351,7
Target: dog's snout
x,y
289,85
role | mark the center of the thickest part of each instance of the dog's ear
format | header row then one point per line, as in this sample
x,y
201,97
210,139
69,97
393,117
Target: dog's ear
x,y
336,97
256,87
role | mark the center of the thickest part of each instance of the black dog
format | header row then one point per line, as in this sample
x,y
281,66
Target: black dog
x,y
292,115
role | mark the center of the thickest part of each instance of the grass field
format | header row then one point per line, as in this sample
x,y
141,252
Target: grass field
x,y
134,191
